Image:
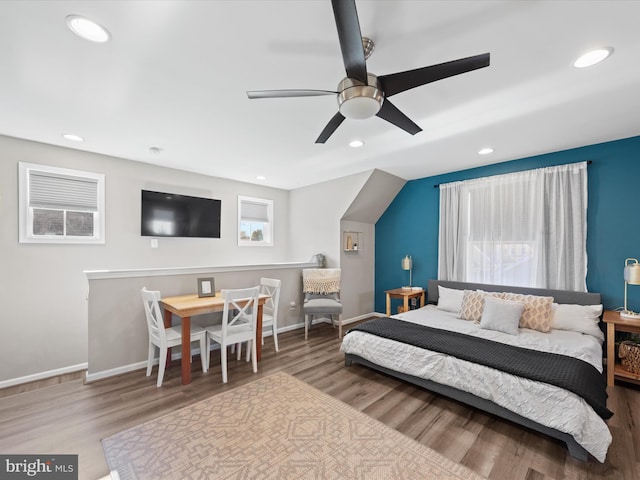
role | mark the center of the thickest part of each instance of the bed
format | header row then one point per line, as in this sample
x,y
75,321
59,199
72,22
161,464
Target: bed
x,y
560,410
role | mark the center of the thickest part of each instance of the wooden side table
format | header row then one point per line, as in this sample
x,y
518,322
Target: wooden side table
x,y
615,323
405,294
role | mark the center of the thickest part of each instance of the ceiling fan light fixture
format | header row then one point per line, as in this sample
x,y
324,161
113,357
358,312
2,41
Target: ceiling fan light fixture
x,y
593,57
359,108
358,101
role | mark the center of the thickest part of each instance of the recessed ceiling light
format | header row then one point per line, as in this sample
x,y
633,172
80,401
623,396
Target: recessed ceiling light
x,y
356,143
73,138
87,29
593,57
485,151
261,177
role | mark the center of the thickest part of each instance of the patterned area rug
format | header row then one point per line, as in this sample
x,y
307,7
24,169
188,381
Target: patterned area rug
x,y
274,428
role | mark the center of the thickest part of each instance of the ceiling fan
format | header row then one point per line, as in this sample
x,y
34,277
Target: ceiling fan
x,y
362,94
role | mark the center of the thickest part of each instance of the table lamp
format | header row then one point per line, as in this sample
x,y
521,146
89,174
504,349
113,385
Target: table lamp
x,y
407,264
631,276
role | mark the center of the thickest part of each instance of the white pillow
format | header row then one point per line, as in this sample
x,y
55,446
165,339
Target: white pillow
x,y
449,299
501,315
578,318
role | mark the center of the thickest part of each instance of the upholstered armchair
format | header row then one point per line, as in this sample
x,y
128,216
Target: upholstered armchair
x,y
321,287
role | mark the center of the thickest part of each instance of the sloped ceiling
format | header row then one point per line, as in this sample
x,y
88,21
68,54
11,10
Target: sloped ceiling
x,y
373,199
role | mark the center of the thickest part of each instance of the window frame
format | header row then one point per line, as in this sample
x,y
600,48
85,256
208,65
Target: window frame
x,y
25,212
268,233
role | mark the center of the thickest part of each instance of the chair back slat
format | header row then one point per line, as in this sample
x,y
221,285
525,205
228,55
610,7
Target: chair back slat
x,y
271,287
240,309
155,322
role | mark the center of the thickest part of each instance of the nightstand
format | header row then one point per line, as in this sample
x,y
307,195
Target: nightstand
x,y
405,294
617,324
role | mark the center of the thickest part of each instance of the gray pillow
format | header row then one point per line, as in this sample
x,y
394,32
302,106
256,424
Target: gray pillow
x,y
501,315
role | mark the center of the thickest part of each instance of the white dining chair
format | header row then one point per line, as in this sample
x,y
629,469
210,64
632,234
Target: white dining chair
x,y
271,287
164,338
238,325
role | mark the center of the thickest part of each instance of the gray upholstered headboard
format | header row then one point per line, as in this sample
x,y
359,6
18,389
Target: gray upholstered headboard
x,y
559,296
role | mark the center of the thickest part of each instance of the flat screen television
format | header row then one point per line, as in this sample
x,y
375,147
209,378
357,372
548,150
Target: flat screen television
x,y
171,215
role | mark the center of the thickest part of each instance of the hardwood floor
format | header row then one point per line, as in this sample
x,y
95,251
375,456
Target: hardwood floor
x,y
71,417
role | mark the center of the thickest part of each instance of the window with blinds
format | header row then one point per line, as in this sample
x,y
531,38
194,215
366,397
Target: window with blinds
x,y
59,205
255,221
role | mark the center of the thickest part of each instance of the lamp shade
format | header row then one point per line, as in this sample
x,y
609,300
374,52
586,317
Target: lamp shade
x,y
632,271
407,263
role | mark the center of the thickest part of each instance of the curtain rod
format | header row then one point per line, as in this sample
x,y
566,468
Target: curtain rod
x,y
589,162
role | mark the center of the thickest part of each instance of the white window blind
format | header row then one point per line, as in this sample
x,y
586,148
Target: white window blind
x,y
251,211
47,190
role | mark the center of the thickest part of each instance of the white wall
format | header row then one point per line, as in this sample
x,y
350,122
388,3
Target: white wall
x,y
315,213
320,213
43,288
358,271
314,216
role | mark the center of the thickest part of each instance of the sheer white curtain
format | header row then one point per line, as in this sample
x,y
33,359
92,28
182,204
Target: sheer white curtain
x,y
526,229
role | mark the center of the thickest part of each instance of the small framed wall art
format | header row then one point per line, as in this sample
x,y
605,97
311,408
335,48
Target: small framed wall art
x,y
206,287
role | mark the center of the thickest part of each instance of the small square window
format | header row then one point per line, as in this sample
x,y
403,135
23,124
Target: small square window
x,y
48,222
58,205
79,224
255,221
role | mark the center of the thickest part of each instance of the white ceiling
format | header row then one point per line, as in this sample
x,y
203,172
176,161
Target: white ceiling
x,y
175,73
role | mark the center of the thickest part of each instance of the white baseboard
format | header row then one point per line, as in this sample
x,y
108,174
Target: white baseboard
x,y
176,354
94,376
362,317
42,375
345,321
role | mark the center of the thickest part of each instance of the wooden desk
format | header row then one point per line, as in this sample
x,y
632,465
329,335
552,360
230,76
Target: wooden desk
x,y
405,294
186,306
615,323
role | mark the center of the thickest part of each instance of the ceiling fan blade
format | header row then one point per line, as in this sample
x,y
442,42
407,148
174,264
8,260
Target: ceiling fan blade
x,y
331,127
399,82
350,38
287,93
391,114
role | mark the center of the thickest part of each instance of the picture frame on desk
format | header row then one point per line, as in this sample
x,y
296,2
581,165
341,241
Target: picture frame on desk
x,y
206,287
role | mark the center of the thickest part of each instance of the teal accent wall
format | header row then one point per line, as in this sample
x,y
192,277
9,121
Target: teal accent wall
x,y
410,223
